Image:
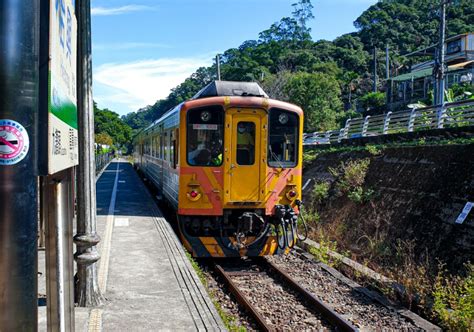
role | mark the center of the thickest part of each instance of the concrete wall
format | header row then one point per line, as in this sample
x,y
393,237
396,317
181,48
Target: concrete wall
x,y
419,193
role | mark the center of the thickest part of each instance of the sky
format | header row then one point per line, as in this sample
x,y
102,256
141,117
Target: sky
x,y
144,48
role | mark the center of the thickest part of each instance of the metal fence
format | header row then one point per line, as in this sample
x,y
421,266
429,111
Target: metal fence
x,y
102,160
457,114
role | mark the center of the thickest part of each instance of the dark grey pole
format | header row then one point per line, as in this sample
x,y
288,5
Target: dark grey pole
x,y
218,62
87,287
19,51
439,71
375,69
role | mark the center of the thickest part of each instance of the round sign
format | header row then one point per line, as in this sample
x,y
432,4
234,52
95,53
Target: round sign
x,y
14,142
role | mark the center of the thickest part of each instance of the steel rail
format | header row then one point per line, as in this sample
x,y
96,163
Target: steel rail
x,y
329,314
242,300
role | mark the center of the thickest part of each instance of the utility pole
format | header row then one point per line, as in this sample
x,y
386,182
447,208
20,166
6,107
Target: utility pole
x,y
19,80
375,69
439,68
87,286
218,62
387,63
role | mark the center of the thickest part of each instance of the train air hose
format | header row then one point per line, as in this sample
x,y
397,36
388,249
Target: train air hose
x,y
265,230
305,225
284,234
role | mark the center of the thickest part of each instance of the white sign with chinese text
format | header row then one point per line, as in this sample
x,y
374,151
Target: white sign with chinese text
x,y
62,122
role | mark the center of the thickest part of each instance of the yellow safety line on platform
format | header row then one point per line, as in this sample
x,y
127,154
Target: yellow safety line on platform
x,y
95,317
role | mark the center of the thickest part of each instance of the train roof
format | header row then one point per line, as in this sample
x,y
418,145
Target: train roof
x,y
231,89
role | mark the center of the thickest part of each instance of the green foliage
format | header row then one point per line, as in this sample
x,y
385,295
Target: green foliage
x,y
108,123
359,195
373,102
324,252
104,138
318,94
311,216
373,150
322,76
350,175
320,192
454,300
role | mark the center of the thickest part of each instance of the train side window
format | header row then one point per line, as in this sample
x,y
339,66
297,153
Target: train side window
x,y
165,146
283,138
175,148
245,143
162,139
171,141
158,152
152,144
205,136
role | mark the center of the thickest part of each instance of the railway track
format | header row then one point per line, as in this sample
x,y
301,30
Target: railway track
x,y
275,300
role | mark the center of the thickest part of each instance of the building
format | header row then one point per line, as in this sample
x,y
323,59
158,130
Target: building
x,y
416,85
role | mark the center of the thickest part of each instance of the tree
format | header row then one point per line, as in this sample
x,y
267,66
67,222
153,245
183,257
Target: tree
x,y
109,123
104,139
373,103
303,12
319,96
286,49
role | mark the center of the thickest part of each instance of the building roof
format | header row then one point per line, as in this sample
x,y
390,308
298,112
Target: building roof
x,y
229,88
428,72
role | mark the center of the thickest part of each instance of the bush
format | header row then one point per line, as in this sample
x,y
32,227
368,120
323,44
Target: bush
x,y
373,150
454,300
320,192
373,102
350,175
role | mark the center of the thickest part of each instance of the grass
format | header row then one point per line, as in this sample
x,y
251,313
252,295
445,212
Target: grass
x,y
228,320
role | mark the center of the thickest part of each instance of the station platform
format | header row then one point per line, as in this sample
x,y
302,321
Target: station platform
x,y
144,274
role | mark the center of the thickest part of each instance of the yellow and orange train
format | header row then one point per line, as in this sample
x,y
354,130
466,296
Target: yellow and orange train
x,y
229,161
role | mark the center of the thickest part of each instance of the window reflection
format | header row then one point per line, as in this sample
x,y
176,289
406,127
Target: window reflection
x,y
245,143
205,136
283,136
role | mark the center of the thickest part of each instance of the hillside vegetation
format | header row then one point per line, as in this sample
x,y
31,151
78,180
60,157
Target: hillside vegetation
x,y
323,77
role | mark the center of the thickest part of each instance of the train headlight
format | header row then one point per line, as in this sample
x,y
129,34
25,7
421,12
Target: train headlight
x,y
291,195
205,116
193,195
283,118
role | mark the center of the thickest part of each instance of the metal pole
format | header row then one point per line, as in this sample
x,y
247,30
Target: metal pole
x,y
440,65
218,61
87,287
59,209
375,69
387,63
19,51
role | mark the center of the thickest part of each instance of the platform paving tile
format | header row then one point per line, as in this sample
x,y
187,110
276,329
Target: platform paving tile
x,y
151,285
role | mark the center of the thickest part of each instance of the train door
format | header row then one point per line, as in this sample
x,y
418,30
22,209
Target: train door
x,y
244,141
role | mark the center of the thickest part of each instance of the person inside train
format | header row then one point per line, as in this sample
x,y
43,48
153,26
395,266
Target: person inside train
x,y
245,143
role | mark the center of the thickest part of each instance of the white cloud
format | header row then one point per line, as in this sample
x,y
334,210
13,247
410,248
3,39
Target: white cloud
x,y
102,11
130,86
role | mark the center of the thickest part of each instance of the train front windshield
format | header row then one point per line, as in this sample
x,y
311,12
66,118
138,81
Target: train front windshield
x,y
205,135
283,139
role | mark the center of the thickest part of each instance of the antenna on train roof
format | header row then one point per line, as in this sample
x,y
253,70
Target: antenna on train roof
x,y
230,89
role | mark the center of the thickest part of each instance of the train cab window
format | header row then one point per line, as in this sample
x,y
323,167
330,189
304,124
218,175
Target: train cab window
x,y
205,135
283,139
245,143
